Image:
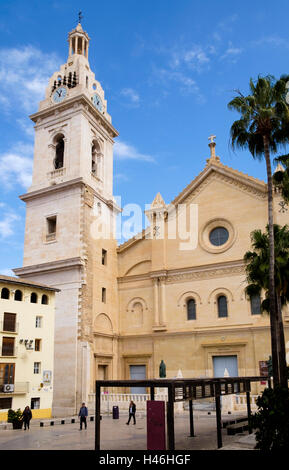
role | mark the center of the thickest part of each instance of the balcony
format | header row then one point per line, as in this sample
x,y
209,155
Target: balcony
x,y
9,327
20,388
56,173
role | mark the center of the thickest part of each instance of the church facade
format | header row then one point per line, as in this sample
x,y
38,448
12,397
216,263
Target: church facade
x,y
122,309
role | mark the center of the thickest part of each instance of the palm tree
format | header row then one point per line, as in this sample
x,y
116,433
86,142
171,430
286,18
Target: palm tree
x,y
262,128
257,270
281,176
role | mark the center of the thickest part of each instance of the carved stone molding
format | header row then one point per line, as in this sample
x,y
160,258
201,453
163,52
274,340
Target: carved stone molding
x,y
88,197
228,180
206,274
200,272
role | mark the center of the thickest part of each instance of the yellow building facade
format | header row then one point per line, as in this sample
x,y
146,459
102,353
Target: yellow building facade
x,y
188,306
27,312
175,292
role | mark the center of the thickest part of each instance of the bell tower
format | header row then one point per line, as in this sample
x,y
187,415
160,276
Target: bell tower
x,y
69,234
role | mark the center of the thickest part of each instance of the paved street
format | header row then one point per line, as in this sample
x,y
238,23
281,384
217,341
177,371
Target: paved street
x,y
116,435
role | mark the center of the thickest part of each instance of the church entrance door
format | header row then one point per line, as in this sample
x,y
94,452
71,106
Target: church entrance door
x,y
225,366
137,373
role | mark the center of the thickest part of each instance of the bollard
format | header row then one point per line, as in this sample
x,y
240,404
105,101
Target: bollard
x,y
115,412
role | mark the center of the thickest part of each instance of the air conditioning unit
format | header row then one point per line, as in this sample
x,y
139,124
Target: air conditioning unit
x,y
8,388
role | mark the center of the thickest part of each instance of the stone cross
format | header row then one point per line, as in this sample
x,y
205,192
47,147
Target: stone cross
x,y
212,145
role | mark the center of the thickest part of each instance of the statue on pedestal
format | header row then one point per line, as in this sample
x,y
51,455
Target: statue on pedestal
x,y
162,370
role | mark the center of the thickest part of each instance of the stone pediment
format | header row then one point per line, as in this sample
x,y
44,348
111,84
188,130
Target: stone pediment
x,y
215,170
158,202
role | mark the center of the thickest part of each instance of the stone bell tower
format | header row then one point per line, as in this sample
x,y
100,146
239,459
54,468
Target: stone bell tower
x,y
69,236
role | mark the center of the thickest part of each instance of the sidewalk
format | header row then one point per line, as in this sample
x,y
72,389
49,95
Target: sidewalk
x,y
116,435
241,443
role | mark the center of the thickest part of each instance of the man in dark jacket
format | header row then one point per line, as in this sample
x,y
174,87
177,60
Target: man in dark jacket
x,y
132,410
83,413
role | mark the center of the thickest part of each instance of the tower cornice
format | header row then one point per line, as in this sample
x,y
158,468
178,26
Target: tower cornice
x,y
66,185
76,100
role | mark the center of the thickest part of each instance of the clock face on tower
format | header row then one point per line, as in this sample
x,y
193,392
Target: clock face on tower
x,y
59,94
97,102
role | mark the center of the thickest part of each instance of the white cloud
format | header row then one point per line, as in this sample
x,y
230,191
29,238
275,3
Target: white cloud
x,y
272,40
7,222
187,85
195,57
124,151
231,53
16,165
7,272
182,66
132,95
27,126
24,74
121,177
226,25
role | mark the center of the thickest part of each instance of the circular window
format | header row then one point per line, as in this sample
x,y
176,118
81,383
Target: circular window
x,y
219,236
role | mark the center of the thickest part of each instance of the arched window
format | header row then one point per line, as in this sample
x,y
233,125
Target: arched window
x,y
255,302
79,44
137,314
222,306
44,299
69,80
33,298
74,80
5,294
191,309
18,295
95,151
59,152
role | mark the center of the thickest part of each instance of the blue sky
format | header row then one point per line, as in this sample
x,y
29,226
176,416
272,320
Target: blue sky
x,y
168,69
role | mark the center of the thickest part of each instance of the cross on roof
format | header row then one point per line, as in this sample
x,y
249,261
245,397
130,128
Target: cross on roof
x,y
80,17
211,138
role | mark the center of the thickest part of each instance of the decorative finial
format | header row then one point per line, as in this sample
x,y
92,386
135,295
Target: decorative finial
x,y
80,17
279,167
212,146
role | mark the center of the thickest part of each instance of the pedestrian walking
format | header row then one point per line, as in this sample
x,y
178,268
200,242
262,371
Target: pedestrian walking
x,y
26,416
83,413
131,410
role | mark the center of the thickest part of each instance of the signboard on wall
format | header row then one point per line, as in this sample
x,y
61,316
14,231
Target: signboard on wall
x,y
263,369
47,376
156,425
